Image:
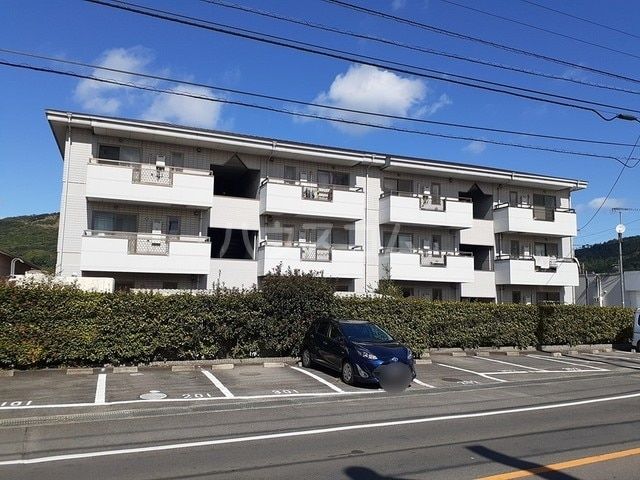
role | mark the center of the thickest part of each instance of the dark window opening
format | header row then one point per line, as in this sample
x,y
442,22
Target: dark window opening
x,y
123,286
114,222
407,292
169,285
516,296
436,294
234,179
236,244
547,297
125,154
544,207
482,256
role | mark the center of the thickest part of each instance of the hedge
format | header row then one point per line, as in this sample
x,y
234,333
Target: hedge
x,y
49,325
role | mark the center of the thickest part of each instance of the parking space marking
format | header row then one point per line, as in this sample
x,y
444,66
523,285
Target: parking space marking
x,y
101,389
509,363
595,369
333,387
484,375
419,382
219,385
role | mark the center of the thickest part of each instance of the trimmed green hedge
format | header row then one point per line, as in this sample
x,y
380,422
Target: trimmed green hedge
x,y
45,325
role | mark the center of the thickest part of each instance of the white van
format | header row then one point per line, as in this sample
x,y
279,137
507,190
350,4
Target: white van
x,y
635,341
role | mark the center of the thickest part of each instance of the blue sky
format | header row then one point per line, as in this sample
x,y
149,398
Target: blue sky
x,y
31,165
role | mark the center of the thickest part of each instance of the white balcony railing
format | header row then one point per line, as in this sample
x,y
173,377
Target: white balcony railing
x,y
560,222
279,196
425,210
144,252
422,266
536,270
149,183
336,261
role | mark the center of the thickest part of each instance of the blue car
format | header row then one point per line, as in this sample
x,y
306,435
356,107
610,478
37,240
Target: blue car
x,y
361,351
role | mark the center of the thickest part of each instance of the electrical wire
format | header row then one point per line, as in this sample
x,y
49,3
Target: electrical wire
x,y
462,36
417,48
310,104
541,29
606,229
582,19
358,58
615,182
307,115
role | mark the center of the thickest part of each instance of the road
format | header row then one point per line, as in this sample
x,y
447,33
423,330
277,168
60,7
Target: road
x,y
557,426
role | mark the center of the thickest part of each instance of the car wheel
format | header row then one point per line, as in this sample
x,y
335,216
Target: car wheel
x,y
348,375
306,358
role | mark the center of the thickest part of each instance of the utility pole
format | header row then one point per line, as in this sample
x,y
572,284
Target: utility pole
x,y
620,228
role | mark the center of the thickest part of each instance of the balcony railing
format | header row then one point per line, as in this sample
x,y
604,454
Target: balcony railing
x,y
311,190
139,243
150,173
427,257
311,252
540,213
434,203
542,263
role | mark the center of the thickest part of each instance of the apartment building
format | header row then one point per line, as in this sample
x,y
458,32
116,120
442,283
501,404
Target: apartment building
x,y
170,207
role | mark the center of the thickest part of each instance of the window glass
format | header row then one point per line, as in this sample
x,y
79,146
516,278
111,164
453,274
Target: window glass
x,y
435,193
516,296
177,159
130,154
436,294
436,244
170,285
334,333
340,236
552,249
114,222
540,249
390,185
405,241
515,249
109,152
365,332
323,329
513,199
173,226
405,185
125,222
102,221
324,177
341,178
290,173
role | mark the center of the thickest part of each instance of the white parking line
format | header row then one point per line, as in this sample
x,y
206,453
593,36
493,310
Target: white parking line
x,y
420,382
333,387
548,359
484,375
225,391
101,389
309,432
628,358
509,363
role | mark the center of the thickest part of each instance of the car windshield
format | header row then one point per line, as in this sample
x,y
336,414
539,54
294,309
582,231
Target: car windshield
x,y
365,332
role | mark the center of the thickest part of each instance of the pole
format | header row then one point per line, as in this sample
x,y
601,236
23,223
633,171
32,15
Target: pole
x,y
12,273
620,267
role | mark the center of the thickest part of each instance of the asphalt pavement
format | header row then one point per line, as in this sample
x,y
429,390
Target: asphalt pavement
x,y
569,417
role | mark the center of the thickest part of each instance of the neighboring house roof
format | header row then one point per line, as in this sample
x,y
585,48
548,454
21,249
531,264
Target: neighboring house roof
x,y
29,264
157,131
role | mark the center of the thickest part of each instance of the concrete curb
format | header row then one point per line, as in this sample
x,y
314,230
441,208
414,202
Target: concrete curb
x,y
222,366
125,370
6,373
183,368
423,361
79,371
273,364
575,349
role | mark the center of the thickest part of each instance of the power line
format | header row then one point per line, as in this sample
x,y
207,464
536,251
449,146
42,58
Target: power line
x,y
607,229
541,29
312,104
615,182
582,19
417,48
363,59
301,114
458,35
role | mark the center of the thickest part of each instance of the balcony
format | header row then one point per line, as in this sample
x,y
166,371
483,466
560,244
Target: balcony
x,y
148,183
335,261
417,265
235,213
144,252
424,210
543,271
289,197
483,285
556,222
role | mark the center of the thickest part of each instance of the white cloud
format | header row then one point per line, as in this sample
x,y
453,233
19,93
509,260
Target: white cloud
x,y
372,89
398,4
475,147
443,101
185,110
107,98
609,203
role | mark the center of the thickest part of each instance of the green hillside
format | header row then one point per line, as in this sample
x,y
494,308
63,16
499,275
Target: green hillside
x,y
603,257
31,237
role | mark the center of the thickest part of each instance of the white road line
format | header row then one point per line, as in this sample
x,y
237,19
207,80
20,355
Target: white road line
x,y
219,385
315,431
508,363
420,382
626,358
506,372
101,389
333,387
484,375
542,357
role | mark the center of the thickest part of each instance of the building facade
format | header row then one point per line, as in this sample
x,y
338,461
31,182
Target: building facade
x,y
163,206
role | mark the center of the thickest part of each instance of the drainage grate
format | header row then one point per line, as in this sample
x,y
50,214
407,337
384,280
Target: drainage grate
x,y
153,395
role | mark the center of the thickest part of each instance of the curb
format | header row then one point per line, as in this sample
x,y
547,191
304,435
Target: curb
x,y
423,361
273,364
222,366
125,370
183,368
79,371
6,373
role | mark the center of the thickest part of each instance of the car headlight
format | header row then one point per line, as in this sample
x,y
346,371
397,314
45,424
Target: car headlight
x,y
367,354
409,354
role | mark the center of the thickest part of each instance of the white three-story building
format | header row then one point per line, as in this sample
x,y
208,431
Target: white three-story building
x,y
170,207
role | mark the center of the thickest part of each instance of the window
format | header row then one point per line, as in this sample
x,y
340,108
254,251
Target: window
x,y
544,207
516,296
436,294
340,236
123,285
288,234
173,225
341,178
125,154
395,185
323,329
114,222
513,199
326,177
548,297
435,193
334,333
177,159
407,292
515,249
169,285
405,242
436,244
290,173
545,249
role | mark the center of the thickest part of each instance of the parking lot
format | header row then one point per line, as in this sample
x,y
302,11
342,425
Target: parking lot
x,y
59,390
